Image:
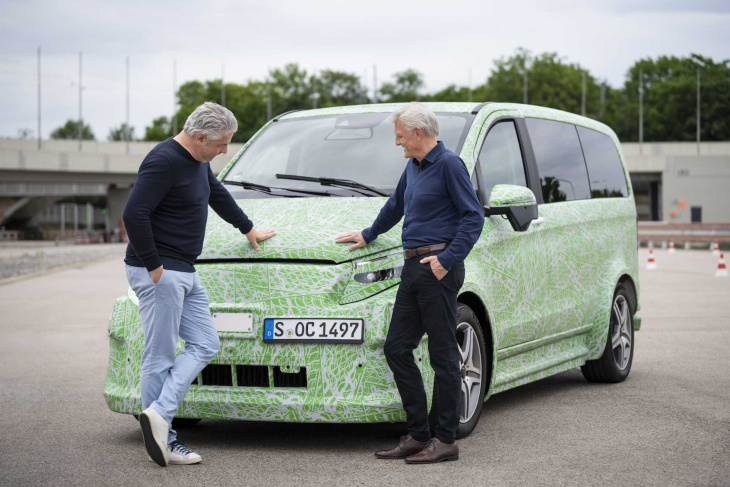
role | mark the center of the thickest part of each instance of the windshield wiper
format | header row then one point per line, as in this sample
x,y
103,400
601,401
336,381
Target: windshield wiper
x,y
267,189
344,183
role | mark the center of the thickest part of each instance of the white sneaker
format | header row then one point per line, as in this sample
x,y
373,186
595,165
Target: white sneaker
x,y
179,455
155,431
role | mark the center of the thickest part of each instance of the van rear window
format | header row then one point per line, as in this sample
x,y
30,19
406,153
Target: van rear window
x,y
560,163
605,171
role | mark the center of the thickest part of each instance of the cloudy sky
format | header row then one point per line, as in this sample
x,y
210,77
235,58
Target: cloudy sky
x,y
443,40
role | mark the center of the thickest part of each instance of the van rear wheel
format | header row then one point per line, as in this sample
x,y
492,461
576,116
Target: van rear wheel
x,y
614,364
474,373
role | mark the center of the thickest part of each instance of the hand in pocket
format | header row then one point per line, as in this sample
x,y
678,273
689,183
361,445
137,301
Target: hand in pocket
x,y
436,267
156,274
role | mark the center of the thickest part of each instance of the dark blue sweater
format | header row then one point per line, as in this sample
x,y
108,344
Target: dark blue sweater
x,y
167,209
440,206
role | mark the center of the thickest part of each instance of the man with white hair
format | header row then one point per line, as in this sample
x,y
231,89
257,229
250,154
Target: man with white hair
x,y
443,220
165,219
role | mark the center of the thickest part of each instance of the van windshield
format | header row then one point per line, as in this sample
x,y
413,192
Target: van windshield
x,y
358,147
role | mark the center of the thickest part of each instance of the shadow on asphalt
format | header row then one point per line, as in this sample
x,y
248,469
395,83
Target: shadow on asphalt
x,y
325,437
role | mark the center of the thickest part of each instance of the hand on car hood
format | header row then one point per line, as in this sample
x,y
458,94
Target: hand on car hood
x,y
305,229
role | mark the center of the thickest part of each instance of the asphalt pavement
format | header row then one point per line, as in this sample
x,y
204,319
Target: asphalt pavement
x,y
667,424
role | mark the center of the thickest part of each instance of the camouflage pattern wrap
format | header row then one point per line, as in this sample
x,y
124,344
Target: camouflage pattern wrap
x,y
545,293
504,195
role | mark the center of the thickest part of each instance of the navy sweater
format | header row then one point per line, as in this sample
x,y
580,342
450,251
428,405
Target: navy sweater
x,y
439,204
167,210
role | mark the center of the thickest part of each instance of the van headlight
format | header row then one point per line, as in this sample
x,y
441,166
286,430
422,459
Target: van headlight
x,y
372,275
379,275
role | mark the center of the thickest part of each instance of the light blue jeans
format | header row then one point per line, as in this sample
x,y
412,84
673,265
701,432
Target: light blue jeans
x,y
177,306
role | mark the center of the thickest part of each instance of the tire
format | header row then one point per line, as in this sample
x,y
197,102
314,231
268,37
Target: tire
x,y
179,423
467,322
614,364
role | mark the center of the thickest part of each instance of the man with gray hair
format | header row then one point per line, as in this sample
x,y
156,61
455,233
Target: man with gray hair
x,y
443,220
165,219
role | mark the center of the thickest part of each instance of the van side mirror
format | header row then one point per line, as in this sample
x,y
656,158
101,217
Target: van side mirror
x,y
517,203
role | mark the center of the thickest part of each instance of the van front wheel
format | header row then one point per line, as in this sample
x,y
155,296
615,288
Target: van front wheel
x,y
474,372
615,363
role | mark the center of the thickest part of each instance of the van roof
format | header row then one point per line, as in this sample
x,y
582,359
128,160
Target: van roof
x,y
448,107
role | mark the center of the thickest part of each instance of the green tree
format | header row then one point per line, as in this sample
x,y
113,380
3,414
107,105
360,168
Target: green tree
x,y
405,88
670,99
550,83
291,89
160,129
248,104
337,88
121,133
459,93
70,130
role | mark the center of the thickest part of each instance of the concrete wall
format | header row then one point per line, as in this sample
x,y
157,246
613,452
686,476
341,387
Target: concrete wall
x,y
96,157
701,181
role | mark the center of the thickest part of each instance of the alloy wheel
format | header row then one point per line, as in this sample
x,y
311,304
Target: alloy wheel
x,y
470,362
621,332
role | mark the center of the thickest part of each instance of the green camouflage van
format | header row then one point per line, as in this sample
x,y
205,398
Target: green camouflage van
x,y
552,283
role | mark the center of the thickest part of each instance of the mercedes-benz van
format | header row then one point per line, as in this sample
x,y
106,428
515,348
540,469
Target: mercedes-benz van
x,y
551,284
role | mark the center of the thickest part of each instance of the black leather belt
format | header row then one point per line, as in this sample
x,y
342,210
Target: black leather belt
x,y
408,253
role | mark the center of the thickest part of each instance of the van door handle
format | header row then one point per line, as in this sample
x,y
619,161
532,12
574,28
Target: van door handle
x,y
538,221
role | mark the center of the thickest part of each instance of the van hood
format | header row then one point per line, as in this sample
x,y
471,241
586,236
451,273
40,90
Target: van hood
x,y
305,230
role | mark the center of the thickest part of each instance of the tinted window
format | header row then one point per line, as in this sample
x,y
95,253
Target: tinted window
x,y
605,170
501,158
563,175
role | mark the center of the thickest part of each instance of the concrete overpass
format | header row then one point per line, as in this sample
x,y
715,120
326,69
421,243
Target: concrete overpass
x,y
32,179
670,179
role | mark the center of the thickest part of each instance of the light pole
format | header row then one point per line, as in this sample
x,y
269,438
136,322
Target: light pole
x,y
700,64
469,85
268,98
39,98
583,96
315,95
641,111
526,65
223,85
524,85
81,120
375,83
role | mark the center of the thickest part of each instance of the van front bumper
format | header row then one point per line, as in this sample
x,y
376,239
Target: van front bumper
x,y
341,382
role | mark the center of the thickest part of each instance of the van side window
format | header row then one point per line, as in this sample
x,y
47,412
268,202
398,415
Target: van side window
x,y
500,158
560,163
605,171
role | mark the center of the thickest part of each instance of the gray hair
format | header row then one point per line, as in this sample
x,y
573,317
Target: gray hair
x,y
416,115
212,120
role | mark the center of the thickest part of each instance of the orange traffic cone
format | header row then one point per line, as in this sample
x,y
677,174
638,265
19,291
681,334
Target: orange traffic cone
x,y
715,248
671,247
721,269
650,264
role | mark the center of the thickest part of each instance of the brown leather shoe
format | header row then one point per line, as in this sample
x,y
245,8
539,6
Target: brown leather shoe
x,y
405,447
435,452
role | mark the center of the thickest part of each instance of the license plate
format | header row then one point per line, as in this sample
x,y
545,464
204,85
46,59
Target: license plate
x,y
240,322
313,330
